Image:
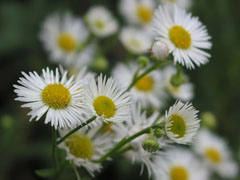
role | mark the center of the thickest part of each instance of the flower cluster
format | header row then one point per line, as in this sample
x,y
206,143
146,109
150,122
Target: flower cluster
x,y
97,116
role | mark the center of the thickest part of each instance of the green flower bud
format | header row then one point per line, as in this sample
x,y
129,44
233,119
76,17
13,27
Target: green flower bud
x,y
177,79
100,63
143,61
158,133
209,120
6,121
150,144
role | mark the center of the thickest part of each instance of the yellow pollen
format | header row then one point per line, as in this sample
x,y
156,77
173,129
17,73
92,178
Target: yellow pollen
x,y
180,37
104,106
145,84
214,155
144,13
107,127
179,173
80,146
178,126
99,24
56,96
66,42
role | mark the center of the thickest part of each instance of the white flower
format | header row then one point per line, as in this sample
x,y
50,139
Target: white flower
x,y
183,92
185,35
64,36
61,99
137,11
185,4
182,123
148,90
85,146
106,100
178,164
216,154
138,122
101,21
136,41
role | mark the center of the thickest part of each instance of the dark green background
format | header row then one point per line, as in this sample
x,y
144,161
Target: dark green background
x,y
25,146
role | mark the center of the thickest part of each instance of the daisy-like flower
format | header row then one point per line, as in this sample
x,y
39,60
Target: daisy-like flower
x,y
184,4
183,92
179,164
64,36
106,100
137,11
101,21
61,99
136,41
216,154
182,123
185,36
138,122
148,90
85,146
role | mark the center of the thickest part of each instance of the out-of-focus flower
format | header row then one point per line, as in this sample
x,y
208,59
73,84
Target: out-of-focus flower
x,y
64,37
101,22
184,4
137,11
178,164
61,99
182,123
184,35
159,50
148,90
209,120
136,41
216,154
183,92
106,100
85,146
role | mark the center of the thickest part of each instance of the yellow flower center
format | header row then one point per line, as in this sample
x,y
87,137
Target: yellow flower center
x,y
104,106
172,1
107,127
214,155
145,84
144,13
179,173
99,24
178,125
66,42
80,146
180,37
56,96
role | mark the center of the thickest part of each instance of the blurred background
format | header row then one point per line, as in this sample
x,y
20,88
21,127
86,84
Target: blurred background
x,y
26,146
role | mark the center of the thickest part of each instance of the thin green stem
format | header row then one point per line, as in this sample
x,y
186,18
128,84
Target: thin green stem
x,y
54,140
125,149
147,71
127,140
76,129
76,172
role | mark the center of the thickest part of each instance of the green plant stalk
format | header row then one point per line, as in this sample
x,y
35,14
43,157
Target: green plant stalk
x,y
76,129
125,140
124,149
147,71
54,141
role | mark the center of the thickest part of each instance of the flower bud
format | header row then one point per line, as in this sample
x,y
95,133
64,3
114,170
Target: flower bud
x,y
159,50
209,120
143,62
158,133
100,63
177,79
150,144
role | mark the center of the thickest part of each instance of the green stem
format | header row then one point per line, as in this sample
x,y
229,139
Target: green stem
x,y
127,140
76,172
147,71
54,140
77,128
125,149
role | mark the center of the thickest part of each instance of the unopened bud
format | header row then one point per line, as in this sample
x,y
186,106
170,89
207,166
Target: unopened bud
x,y
143,61
100,63
158,133
150,144
209,120
177,79
159,50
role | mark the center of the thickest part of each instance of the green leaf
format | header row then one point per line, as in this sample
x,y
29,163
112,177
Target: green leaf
x,y
46,172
